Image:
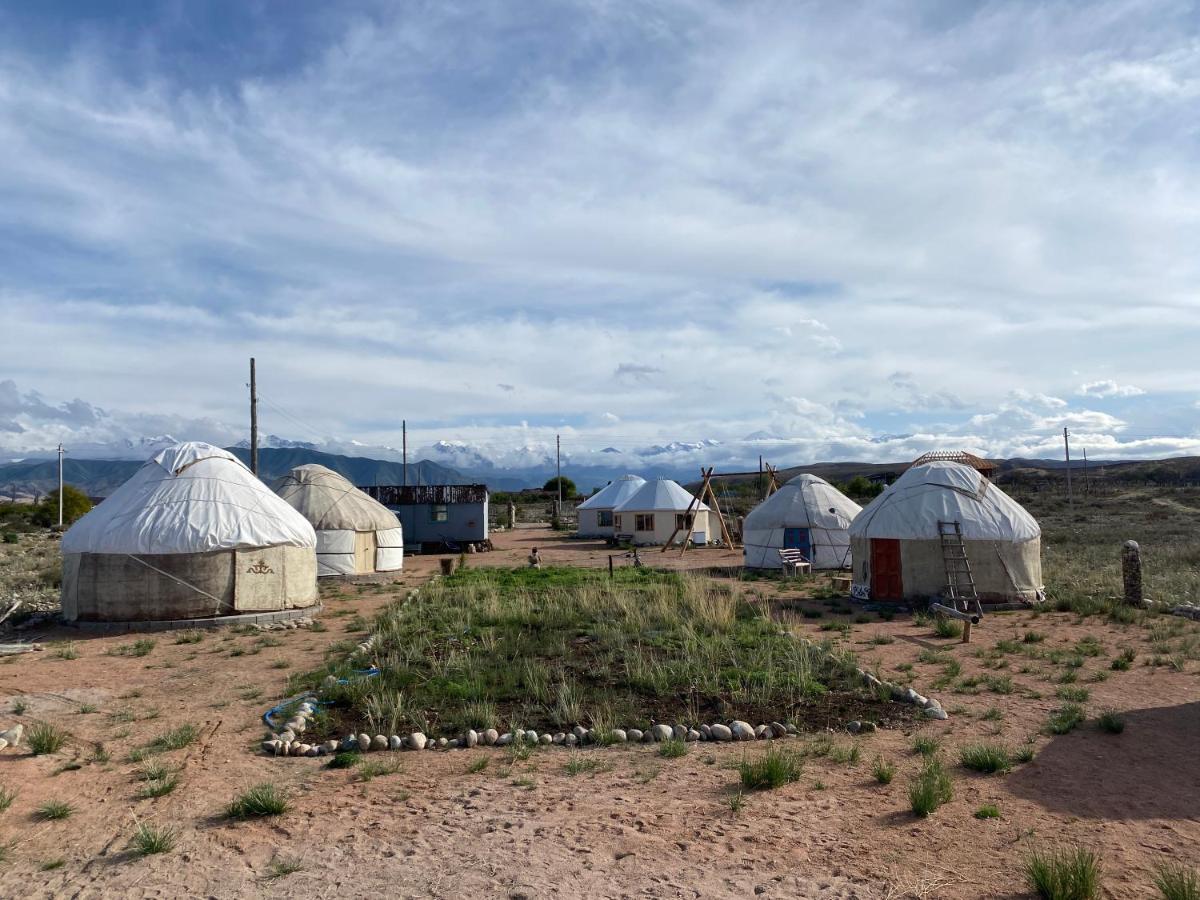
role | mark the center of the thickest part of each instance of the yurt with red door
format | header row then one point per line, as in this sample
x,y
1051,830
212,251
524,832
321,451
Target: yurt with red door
x,y
897,545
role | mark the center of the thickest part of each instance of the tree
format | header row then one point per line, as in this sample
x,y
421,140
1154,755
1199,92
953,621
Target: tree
x,y
862,488
75,504
568,486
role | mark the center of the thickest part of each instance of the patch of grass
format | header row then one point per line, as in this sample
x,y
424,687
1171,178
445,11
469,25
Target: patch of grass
x,y
1088,646
194,636
736,802
54,810
149,839
1033,637
1065,719
20,706
50,865
846,755
930,789
250,693
1073,694
1064,874
140,647
672,749
925,744
988,811
7,796
580,763
1177,881
773,769
175,739
986,758
947,628
153,771
66,650
44,738
1124,661
280,664
883,770
881,639
1024,753
1111,721
482,763
281,868
346,759
992,714
261,800
159,787
373,768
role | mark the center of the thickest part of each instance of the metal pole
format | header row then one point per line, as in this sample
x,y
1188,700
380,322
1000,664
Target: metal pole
x,y
404,445
1087,485
558,468
253,419
1067,451
61,451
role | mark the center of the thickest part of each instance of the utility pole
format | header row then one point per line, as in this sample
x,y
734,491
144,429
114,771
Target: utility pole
x,y
61,451
1067,451
253,420
1087,485
404,448
759,482
558,469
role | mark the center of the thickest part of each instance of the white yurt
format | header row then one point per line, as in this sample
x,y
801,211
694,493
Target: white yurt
x,y
897,549
356,535
807,514
193,534
596,512
656,509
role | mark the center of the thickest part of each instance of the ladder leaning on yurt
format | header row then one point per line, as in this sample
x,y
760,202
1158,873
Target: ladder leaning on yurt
x,y
960,582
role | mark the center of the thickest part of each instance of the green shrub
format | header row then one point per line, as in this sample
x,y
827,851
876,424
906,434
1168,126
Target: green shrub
x,y
1125,660
347,759
1024,753
53,810
11,537
947,628
175,739
1066,718
773,769
1064,874
1176,881
7,797
261,800
1073,694
45,738
930,789
1111,722
672,749
883,770
149,839
988,811
986,758
925,744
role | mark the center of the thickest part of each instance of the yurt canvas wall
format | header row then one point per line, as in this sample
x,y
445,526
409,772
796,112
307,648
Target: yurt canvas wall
x,y
192,534
656,509
596,512
806,514
898,552
356,535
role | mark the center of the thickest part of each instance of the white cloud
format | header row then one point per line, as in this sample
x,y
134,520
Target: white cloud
x,y
1109,388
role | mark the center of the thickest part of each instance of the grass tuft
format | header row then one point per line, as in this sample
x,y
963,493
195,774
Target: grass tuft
x,y
54,810
1111,722
773,769
986,758
1065,719
45,738
883,770
7,796
988,811
947,628
1176,881
149,839
1064,874
175,739
925,744
672,749
261,800
930,789
347,759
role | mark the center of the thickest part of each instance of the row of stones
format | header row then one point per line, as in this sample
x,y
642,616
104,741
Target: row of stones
x,y
929,707
288,742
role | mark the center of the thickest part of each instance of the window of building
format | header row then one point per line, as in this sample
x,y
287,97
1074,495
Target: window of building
x,y
438,512
604,518
643,522
683,521
617,522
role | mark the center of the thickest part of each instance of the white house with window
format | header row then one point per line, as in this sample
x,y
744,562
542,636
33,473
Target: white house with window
x,y
659,508
596,512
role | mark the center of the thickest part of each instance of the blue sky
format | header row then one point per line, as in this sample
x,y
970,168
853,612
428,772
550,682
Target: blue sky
x,y
814,231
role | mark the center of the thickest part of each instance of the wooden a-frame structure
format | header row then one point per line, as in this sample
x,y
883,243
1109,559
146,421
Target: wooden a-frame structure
x,y
698,498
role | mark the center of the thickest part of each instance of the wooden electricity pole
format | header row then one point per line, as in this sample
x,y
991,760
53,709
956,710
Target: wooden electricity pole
x,y
404,449
61,451
1067,451
253,419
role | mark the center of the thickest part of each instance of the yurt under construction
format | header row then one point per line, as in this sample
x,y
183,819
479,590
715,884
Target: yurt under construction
x,y
356,535
596,512
193,534
807,514
660,508
902,541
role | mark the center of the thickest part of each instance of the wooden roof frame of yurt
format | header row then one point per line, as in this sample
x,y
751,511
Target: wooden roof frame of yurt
x,y
984,467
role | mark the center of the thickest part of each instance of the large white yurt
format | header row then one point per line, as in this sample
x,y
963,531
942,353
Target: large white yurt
x,y
897,549
193,534
657,509
596,512
356,535
807,514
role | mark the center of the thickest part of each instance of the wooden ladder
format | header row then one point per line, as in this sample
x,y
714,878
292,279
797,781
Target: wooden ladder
x,y
960,583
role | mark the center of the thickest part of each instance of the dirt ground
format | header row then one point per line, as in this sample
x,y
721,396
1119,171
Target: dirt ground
x,y
635,825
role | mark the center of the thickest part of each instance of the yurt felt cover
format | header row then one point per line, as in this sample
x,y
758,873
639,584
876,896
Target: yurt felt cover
x,y
613,494
803,502
331,503
190,498
661,495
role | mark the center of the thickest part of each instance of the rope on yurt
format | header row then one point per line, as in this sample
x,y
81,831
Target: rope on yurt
x,y
179,581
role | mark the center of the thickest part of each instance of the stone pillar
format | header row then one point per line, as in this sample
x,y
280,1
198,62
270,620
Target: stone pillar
x,y
1131,572
512,515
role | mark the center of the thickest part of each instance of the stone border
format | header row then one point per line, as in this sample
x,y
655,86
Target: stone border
x,y
284,617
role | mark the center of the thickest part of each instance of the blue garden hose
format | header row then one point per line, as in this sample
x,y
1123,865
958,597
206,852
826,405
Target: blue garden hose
x,y
270,713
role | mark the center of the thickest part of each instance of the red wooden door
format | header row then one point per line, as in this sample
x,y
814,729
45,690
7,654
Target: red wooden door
x,y
886,583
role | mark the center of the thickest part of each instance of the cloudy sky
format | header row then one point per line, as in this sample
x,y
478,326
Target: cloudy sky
x,y
827,230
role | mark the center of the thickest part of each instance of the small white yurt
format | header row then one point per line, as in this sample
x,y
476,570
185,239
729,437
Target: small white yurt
x,y
897,548
596,512
807,514
659,508
356,535
193,534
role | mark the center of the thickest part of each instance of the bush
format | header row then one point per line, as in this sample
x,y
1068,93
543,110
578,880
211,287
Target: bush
x,y
261,800
46,738
75,504
931,788
1111,722
1175,881
773,769
347,759
1064,874
149,839
11,537
986,758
